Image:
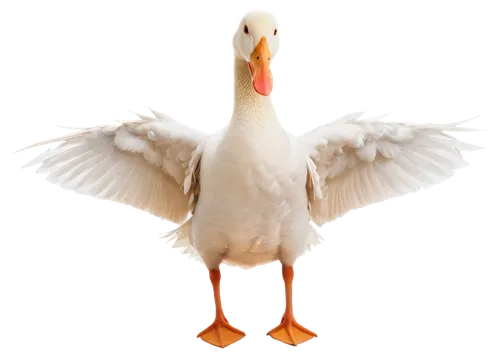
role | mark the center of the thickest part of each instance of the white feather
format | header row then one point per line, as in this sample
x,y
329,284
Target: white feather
x,y
126,163
379,161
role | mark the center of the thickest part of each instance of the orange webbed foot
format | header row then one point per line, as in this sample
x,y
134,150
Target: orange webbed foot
x,y
290,332
221,333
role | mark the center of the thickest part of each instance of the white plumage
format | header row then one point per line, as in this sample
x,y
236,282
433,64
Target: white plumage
x,y
253,188
142,163
253,203
360,162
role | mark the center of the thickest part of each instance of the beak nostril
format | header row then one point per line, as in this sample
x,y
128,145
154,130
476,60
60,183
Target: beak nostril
x,y
258,57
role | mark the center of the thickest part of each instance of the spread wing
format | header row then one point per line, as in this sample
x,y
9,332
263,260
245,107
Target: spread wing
x,y
353,163
150,164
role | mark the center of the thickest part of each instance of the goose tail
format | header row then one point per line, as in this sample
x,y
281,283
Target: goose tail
x,y
179,239
315,241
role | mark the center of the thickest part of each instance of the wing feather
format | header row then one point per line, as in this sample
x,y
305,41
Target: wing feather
x,y
141,163
359,162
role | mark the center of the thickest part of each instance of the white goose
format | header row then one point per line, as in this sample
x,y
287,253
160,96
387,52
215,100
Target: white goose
x,y
252,188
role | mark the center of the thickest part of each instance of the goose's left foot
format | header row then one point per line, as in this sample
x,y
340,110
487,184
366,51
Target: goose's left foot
x,y
290,332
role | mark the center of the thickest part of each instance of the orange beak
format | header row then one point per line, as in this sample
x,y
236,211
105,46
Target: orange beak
x,y
260,59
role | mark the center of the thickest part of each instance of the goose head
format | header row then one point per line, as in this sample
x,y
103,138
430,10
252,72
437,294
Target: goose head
x,y
257,41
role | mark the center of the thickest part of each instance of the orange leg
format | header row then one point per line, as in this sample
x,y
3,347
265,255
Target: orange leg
x,y
220,333
289,331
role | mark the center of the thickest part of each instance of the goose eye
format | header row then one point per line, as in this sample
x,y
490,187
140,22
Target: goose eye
x,y
275,32
245,29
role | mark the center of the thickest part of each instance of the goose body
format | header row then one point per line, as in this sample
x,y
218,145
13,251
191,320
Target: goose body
x,y
252,207
252,188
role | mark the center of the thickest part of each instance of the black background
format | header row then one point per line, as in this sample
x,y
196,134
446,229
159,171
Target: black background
x,y
416,278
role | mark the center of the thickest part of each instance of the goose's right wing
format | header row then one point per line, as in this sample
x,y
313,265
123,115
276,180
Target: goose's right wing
x,y
150,164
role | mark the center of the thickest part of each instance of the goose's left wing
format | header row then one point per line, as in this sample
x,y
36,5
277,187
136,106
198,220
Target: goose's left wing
x,y
353,163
